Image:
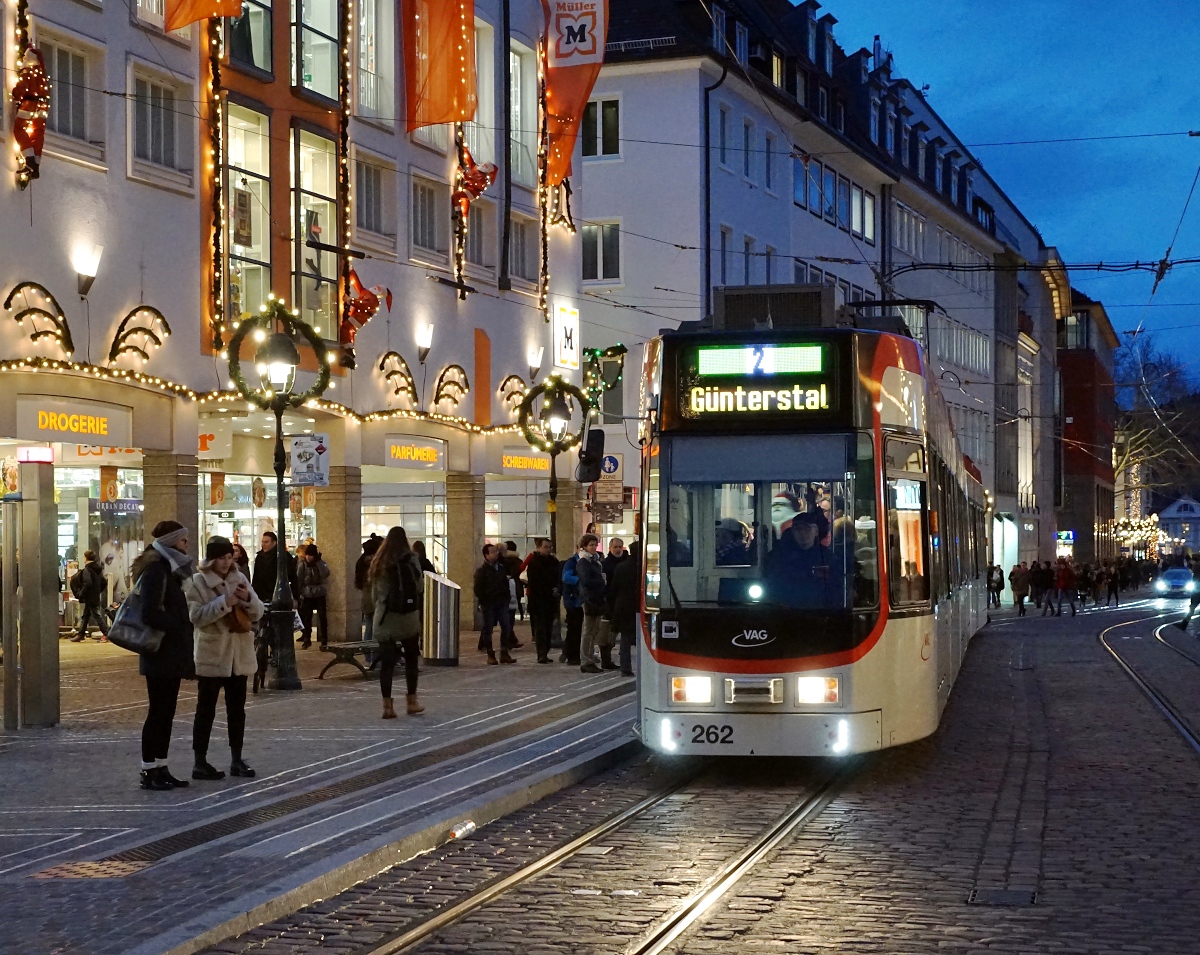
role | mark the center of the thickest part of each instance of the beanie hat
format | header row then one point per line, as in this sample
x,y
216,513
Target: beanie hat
x,y
217,547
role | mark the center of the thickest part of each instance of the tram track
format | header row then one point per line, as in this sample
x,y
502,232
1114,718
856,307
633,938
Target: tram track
x,y
1157,699
662,936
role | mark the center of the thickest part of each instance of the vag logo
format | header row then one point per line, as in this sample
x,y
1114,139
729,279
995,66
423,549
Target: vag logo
x,y
753,638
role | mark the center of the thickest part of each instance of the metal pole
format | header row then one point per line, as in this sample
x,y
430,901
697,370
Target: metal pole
x,y
554,501
8,580
286,677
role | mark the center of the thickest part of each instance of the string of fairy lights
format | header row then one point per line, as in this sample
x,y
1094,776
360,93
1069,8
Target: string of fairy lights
x,y
543,178
216,146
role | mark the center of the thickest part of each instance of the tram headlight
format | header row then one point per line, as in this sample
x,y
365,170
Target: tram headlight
x,y
754,591
811,690
1160,585
691,689
1190,586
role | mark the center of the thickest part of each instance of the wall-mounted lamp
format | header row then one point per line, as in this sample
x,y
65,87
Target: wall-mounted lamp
x,y
535,362
86,262
424,339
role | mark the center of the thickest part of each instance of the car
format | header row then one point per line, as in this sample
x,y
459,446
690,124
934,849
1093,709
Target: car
x,y
1178,581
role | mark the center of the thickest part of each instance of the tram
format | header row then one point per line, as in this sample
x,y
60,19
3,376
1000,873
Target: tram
x,y
813,542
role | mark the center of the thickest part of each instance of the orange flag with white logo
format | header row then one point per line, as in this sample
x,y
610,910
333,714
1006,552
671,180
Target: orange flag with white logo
x,y
576,31
439,61
179,13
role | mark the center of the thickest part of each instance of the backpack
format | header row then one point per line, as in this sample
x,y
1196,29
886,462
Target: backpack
x,y
405,598
80,586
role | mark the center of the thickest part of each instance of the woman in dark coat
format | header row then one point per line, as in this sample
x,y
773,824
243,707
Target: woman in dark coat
x,y
163,568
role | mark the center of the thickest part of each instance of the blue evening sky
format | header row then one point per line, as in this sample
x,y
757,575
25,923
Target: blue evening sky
x,y
1021,70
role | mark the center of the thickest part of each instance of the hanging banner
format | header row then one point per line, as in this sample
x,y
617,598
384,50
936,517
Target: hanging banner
x,y
216,493
576,31
108,484
179,13
439,61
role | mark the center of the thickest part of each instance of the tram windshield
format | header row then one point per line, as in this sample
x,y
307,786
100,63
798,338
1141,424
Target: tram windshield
x,y
783,521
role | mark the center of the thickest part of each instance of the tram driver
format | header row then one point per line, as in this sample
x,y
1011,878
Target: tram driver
x,y
800,571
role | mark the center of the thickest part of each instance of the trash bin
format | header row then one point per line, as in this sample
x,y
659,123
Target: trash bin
x,y
439,638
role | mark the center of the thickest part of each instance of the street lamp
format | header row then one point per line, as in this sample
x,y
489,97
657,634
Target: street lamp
x,y
276,361
550,429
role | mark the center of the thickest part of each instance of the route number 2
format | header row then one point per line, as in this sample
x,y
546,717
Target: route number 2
x,y
712,733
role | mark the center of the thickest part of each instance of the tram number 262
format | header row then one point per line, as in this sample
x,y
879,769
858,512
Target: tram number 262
x,y
712,733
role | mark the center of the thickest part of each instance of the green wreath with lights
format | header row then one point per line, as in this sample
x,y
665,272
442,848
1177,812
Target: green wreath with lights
x,y
275,314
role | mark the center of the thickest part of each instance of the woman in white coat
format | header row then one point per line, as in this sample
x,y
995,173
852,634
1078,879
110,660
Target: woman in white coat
x,y
223,609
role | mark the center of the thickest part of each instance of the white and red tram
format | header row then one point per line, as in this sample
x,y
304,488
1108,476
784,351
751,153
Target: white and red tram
x,y
813,544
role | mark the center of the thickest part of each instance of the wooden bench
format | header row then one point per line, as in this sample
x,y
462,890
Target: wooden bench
x,y
348,653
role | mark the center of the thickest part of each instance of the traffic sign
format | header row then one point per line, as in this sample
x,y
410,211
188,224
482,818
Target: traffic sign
x,y
610,488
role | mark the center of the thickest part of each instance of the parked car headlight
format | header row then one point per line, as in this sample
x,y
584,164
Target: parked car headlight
x,y
1160,585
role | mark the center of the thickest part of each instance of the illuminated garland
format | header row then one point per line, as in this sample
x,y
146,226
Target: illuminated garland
x,y
1137,530
59,330
96,371
397,374
343,183
458,219
122,342
543,173
452,386
512,392
275,315
593,372
553,387
216,147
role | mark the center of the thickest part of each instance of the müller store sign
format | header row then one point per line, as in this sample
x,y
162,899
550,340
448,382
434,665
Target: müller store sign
x,y
73,421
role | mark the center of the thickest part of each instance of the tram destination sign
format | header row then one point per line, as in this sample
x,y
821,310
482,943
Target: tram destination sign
x,y
751,379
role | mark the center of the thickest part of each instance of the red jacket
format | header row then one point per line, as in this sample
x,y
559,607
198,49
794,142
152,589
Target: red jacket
x,y
1065,578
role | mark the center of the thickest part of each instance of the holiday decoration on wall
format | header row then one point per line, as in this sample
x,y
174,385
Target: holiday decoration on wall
x,y
470,182
543,173
399,376
594,382
31,107
46,319
142,329
361,306
439,61
276,317
451,387
512,393
216,114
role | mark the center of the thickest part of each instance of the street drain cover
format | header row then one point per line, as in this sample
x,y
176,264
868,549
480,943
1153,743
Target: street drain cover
x,y
1001,897
92,870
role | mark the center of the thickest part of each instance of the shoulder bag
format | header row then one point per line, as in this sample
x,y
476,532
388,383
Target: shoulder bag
x,y
128,630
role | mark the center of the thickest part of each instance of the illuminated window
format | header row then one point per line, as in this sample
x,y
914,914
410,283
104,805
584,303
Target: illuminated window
x,y
315,223
248,205
248,36
906,515
315,46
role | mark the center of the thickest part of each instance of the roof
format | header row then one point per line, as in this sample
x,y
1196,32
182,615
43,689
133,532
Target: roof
x,y
1186,507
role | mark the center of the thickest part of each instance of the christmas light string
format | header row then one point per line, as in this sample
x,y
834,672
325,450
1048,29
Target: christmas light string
x,y
343,182
594,383
543,173
216,165
50,311
153,334
458,215
451,386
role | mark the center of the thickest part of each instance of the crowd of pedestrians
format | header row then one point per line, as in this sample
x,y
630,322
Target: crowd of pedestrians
x,y
1066,583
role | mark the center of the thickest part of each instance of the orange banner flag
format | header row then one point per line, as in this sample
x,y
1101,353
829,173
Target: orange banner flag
x,y
179,13
439,61
576,31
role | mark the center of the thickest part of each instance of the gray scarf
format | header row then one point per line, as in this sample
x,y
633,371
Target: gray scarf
x,y
182,566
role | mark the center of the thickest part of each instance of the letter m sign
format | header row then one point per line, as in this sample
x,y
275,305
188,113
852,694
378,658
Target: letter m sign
x,y
576,35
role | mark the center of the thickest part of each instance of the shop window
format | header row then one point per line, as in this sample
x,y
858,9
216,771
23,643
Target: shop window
x,y
420,508
314,203
248,200
516,510
315,23
248,37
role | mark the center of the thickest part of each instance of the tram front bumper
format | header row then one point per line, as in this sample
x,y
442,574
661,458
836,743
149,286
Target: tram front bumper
x,y
762,734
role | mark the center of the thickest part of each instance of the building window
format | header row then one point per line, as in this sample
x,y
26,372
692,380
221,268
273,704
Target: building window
x,y
428,232
1073,331
723,135
481,131
904,140
810,38
601,252
523,108
869,218
777,70
479,235
840,117
856,210
802,87
823,103
248,200
747,149
937,172
374,199
829,195
747,259
920,159
153,12
815,205
799,182
612,401
248,37
829,50
602,128
316,37
742,48
769,265
799,272
158,130
843,199
953,184
67,71
522,249
376,54
726,235
875,122
718,34
909,231
889,134
769,162
314,192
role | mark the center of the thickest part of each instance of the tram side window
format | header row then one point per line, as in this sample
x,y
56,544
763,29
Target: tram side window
x,y
908,573
652,524
680,526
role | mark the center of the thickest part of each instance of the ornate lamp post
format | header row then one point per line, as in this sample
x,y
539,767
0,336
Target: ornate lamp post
x,y
276,361
549,428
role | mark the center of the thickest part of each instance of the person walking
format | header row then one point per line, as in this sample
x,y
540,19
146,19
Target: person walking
x,y
312,576
573,605
589,571
223,608
89,587
1114,586
623,604
1066,585
491,591
396,583
266,569
543,581
1018,579
362,566
418,548
512,564
162,569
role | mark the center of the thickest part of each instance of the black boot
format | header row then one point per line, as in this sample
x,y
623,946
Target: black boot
x,y
238,767
204,770
166,775
606,662
152,779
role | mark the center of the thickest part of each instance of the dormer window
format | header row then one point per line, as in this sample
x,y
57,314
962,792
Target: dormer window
x,y
890,134
904,141
812,41
829,50
718,37
875,122
840,117
954,185
823,103
937,172
920,159
742,46
777,70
